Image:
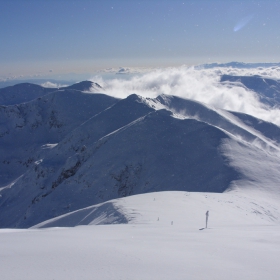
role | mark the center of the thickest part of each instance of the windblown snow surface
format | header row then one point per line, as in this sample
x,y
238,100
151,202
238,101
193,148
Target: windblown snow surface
x,y
152,236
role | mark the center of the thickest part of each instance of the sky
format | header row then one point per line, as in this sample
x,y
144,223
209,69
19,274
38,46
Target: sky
x,y
58,37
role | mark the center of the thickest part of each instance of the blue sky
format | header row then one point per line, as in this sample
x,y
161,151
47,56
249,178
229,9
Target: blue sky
x,y
48,37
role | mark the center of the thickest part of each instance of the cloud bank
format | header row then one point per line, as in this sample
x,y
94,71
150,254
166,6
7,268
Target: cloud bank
x,y
200,85
52,85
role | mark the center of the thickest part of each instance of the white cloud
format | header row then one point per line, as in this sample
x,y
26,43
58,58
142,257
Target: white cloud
x,y
200,85
52,85
125,70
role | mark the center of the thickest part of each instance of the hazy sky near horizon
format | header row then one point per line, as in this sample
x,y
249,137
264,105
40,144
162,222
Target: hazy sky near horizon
x,y
48,37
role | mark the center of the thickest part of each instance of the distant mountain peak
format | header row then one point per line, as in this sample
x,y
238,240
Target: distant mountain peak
x,y
23,92
235,64
84,86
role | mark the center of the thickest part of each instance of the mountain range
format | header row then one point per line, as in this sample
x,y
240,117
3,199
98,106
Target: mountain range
x,y
64,149
236,64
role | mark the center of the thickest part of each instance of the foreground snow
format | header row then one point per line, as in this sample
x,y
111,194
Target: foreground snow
x,y
161,240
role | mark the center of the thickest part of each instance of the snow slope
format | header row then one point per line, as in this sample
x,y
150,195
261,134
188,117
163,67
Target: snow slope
x,y
27,127
161,240
232,208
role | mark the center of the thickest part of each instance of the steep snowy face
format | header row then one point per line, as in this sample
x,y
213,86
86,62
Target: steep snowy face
x,y
243,126
24,128
253,146
66,159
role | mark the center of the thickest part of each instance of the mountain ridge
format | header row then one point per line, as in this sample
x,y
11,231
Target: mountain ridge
x,y
129,146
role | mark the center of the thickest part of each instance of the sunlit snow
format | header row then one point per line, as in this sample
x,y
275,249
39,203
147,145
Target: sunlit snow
x,y
161,240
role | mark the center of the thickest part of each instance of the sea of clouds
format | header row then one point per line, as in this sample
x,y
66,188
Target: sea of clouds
x,y
198,84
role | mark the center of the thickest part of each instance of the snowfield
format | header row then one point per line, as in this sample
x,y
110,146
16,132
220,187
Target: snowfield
x,y
159,238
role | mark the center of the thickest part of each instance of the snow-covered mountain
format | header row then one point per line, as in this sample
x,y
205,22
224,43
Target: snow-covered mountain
x,y
40,124
20,93
69,149
26,92
240,65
